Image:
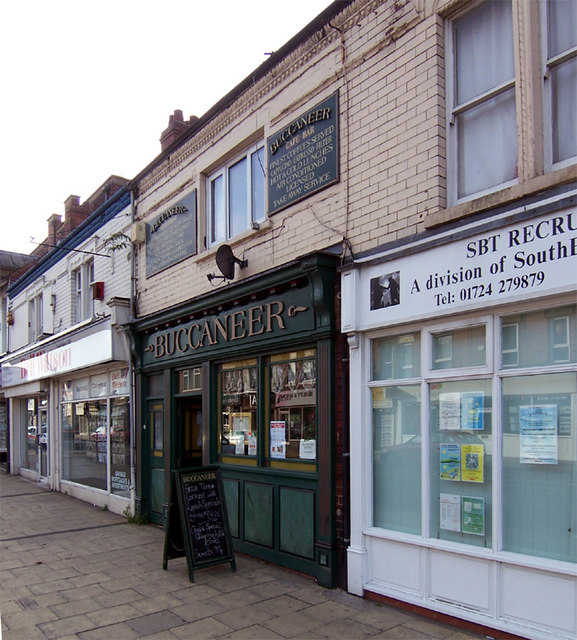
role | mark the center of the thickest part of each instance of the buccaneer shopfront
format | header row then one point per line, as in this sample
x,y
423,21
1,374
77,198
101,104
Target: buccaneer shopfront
x,y
243,378
464,420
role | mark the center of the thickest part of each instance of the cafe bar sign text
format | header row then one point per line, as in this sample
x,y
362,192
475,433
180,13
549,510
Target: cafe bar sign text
x,y
281,316
303,157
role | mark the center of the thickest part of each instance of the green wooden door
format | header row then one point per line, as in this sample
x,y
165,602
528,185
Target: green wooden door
x,y
155,451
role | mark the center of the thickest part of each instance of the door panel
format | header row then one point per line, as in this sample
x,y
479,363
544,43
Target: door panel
x,y
156,461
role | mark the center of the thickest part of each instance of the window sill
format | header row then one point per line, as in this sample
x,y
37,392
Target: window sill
x,y
502,197
210,253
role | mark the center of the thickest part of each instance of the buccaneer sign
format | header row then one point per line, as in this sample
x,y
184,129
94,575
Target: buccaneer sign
x,y
282,315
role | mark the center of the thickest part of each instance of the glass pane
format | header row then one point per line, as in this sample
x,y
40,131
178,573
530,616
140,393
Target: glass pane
x,y
85,443
461,348
487,144
543,338
460,415
539,465
120,447
564,108
293,417
484,49
238,410
217,214
397,357
238,197
257,160
562,26
157,428
30,434
397,458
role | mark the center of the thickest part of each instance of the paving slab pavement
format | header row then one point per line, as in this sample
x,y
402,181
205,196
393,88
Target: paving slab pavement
x,y
71,570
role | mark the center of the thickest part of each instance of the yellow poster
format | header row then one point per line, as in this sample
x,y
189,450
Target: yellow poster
x,y
472,462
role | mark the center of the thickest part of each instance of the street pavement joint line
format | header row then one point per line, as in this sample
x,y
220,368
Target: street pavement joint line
x,y
24,495
56,533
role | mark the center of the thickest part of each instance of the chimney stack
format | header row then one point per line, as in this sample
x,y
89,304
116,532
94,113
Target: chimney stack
x,y
176,127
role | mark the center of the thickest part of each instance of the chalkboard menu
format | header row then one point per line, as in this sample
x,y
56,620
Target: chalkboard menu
x,y
198,524
303,157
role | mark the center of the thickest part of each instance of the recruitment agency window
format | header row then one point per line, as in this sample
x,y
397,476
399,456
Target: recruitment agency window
x,y
491,406
396,411
539,436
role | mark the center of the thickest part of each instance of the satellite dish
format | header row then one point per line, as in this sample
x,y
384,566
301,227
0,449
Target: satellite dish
x,y
225,261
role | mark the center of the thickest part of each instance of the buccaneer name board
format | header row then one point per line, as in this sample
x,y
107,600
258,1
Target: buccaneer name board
x,y
246,323
303,157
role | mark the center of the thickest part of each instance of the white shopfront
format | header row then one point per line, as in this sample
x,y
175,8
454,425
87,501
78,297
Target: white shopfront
x,y
463,368
70,419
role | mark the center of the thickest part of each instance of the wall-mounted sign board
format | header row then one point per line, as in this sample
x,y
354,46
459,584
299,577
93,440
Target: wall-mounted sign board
x,y
171,236
303,157
198,520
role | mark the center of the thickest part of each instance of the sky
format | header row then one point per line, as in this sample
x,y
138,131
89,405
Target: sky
x,y
88,87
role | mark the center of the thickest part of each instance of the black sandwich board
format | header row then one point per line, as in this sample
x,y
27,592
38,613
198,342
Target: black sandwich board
x,y
197,524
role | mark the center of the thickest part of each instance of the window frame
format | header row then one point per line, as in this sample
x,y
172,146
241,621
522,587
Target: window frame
x,y
454,110
223,173
494,374
83,304
549,65
35,317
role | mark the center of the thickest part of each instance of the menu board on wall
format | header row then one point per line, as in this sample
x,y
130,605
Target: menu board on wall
x,y
171,236
303,157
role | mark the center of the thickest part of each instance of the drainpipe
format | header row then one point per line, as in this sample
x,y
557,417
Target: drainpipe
x,y
131,364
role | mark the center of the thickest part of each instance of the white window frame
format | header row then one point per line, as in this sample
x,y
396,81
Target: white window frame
x,y
454,110
493,371
253,218
82,278
35,317
550,64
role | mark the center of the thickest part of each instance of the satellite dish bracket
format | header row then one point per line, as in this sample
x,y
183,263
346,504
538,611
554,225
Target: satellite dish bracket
x,y
226,261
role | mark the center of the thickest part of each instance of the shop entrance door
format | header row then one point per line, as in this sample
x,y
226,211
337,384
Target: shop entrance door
x,y
189,432
155,446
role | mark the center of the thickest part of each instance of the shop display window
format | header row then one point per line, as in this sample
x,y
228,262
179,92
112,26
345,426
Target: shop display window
x,y
397,458
289,429
238,392
541,338
460,461
540,465
120,446
460,348
292,380
95,428
498,443
397,357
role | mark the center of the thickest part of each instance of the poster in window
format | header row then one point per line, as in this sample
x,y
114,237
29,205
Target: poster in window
x,y
472,462
308,449
472,405
450,512
473,515
278,439
450,461
538,425
449,411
